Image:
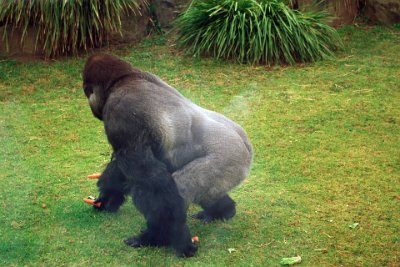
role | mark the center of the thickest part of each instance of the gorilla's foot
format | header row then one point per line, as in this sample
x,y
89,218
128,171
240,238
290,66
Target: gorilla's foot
x,y
133,241
223,209
189,250
147,238
203,216
142,240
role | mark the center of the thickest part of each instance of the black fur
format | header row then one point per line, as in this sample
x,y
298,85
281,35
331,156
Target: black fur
x,y
155,195
154,192
113,187
135,170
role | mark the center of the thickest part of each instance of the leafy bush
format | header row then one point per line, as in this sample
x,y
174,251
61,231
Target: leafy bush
x,y
263,31
64,27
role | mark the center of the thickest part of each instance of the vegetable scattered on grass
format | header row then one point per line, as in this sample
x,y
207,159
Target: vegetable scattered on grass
x,y
94,176
290,261
353,225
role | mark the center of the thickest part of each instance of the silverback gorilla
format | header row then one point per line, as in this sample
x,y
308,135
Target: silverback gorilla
x,y
167,152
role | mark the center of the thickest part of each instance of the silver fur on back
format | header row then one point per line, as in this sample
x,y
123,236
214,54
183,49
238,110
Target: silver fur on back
x,y
214,150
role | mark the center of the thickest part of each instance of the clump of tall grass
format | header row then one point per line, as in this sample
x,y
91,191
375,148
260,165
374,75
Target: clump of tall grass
x,y
250,31
64,27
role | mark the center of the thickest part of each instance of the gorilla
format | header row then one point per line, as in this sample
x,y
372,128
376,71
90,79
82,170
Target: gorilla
x,y
167,152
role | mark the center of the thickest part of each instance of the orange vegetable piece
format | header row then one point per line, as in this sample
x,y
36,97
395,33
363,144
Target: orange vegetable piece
x,y
91,202
94,175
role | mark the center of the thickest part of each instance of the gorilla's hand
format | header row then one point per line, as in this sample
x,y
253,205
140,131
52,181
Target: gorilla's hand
x,y
111,186
187,251
110,201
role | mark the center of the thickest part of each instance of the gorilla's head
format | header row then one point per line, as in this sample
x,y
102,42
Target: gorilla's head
x,y
101,72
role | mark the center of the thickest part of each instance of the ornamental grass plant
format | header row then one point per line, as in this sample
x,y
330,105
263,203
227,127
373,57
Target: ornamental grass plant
x,y
258,32
64,27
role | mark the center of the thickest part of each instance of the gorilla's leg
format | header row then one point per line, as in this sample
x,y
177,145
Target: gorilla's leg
x,y
164,231
155,194
222,209
111,185
206,181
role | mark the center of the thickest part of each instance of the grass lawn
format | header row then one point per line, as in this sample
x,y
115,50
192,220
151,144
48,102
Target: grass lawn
x,y
327,155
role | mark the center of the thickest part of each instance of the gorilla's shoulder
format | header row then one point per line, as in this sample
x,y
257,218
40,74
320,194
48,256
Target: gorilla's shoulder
x,y
152,78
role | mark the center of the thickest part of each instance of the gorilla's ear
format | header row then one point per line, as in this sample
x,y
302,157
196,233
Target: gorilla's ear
x,y
96,101
88,89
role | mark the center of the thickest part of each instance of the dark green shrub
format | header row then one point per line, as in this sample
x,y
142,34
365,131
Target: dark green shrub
x,y
64,27
263,31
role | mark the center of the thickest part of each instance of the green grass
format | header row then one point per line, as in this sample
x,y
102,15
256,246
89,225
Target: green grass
x,y
326,139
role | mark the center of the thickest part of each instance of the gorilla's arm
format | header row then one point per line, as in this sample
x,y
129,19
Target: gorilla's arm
x,y
154,191
155,195
112,187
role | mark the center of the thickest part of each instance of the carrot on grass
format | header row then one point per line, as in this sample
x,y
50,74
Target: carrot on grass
x,y
94,175
91,202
